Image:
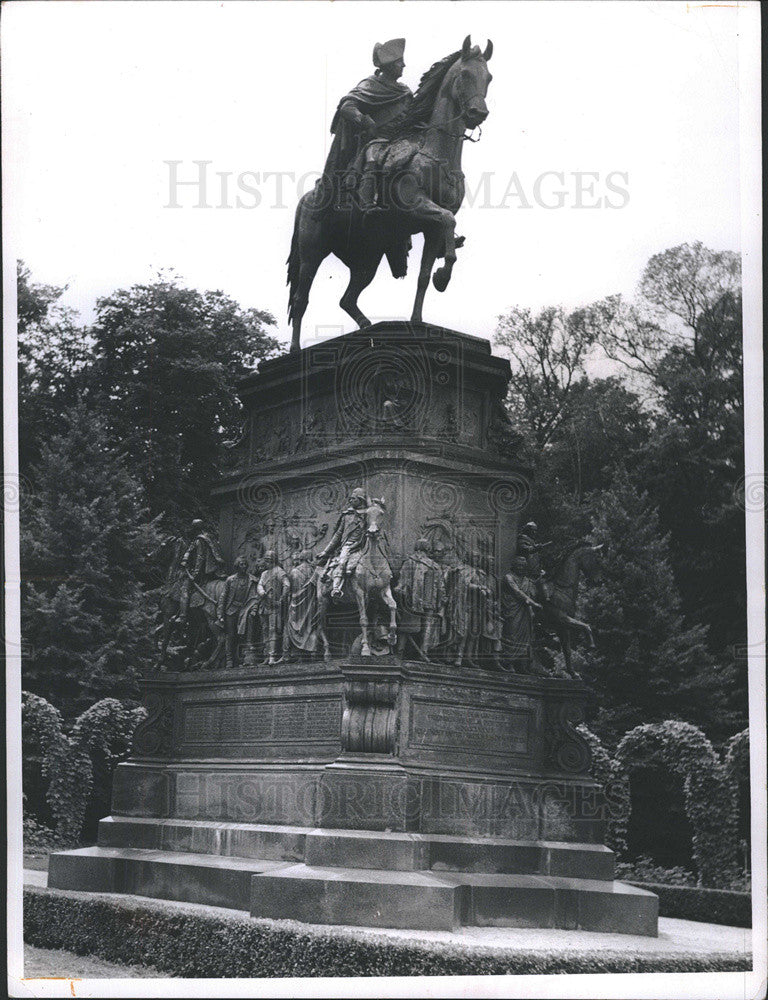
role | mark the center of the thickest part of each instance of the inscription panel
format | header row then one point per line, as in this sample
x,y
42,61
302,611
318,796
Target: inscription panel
x,y
271,722
473,729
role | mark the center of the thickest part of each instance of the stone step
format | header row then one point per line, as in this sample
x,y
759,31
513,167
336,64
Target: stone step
x,y
358,897
368,897
185,877
360,848
433,900
243,840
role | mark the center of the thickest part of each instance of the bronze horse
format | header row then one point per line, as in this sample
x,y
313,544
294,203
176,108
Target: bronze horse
x,y
422,168
559,600
373,575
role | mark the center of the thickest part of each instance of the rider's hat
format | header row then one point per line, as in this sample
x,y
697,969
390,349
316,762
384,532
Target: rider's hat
x,y
388,52
358,492
532,525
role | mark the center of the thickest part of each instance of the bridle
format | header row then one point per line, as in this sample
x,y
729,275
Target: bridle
x,y
455,135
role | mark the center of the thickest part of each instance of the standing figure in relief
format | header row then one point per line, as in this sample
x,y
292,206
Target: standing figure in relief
x,y
421,590
304,632
272,593
239,589
518,607
472,613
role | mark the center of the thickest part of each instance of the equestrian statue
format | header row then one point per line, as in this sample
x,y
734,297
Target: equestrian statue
x,y
393,170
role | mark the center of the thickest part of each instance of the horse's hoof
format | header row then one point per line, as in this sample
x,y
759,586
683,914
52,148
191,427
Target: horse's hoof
x,y
364,322
365,651
440,278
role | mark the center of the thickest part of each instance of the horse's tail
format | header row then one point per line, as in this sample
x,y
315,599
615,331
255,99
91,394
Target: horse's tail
x,y
293,262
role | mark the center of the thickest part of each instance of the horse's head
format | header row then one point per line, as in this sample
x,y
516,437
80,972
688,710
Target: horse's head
x,y
374,515
468,80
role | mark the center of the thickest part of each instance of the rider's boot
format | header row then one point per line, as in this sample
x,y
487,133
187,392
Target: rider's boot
x,y
367,193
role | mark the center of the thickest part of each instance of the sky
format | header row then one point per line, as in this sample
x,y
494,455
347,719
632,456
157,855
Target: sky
x,y
100,96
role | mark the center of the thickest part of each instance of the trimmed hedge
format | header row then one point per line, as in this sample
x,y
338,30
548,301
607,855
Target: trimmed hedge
x,y
710,803
712,906
186,944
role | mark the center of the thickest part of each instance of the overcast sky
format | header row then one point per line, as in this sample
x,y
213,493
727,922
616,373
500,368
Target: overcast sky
x,y
99,96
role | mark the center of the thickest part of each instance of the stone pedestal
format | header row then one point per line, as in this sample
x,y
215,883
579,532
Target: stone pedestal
x,y
371,793
408,747
412,414
369,790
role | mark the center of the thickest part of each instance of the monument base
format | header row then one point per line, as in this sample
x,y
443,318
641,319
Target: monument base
x,y
360,878
370,792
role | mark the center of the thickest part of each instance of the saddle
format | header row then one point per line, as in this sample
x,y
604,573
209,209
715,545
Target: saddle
x,y
383,157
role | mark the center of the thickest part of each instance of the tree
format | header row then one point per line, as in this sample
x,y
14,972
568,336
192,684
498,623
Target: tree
x,y
606,427
53,350
548,353
166,364
649,664
673,423
679,297
693,466
84,539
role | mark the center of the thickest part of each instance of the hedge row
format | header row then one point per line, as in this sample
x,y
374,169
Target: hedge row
x,y
713,906
186,944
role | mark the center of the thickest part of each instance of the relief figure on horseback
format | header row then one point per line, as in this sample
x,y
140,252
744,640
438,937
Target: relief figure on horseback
x,y
357,554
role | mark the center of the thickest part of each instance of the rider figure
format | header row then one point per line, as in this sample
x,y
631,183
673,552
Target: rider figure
x,y
347,540
529,548
373,103
201,562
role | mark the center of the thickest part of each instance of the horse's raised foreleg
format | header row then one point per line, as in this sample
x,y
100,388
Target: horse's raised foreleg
x,y
442,223
360,277
582,629
389,600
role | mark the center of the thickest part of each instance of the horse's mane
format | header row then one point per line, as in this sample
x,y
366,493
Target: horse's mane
x,y
419,112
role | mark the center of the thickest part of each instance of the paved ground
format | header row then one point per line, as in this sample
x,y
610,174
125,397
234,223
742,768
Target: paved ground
x,y
44,963
675,936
